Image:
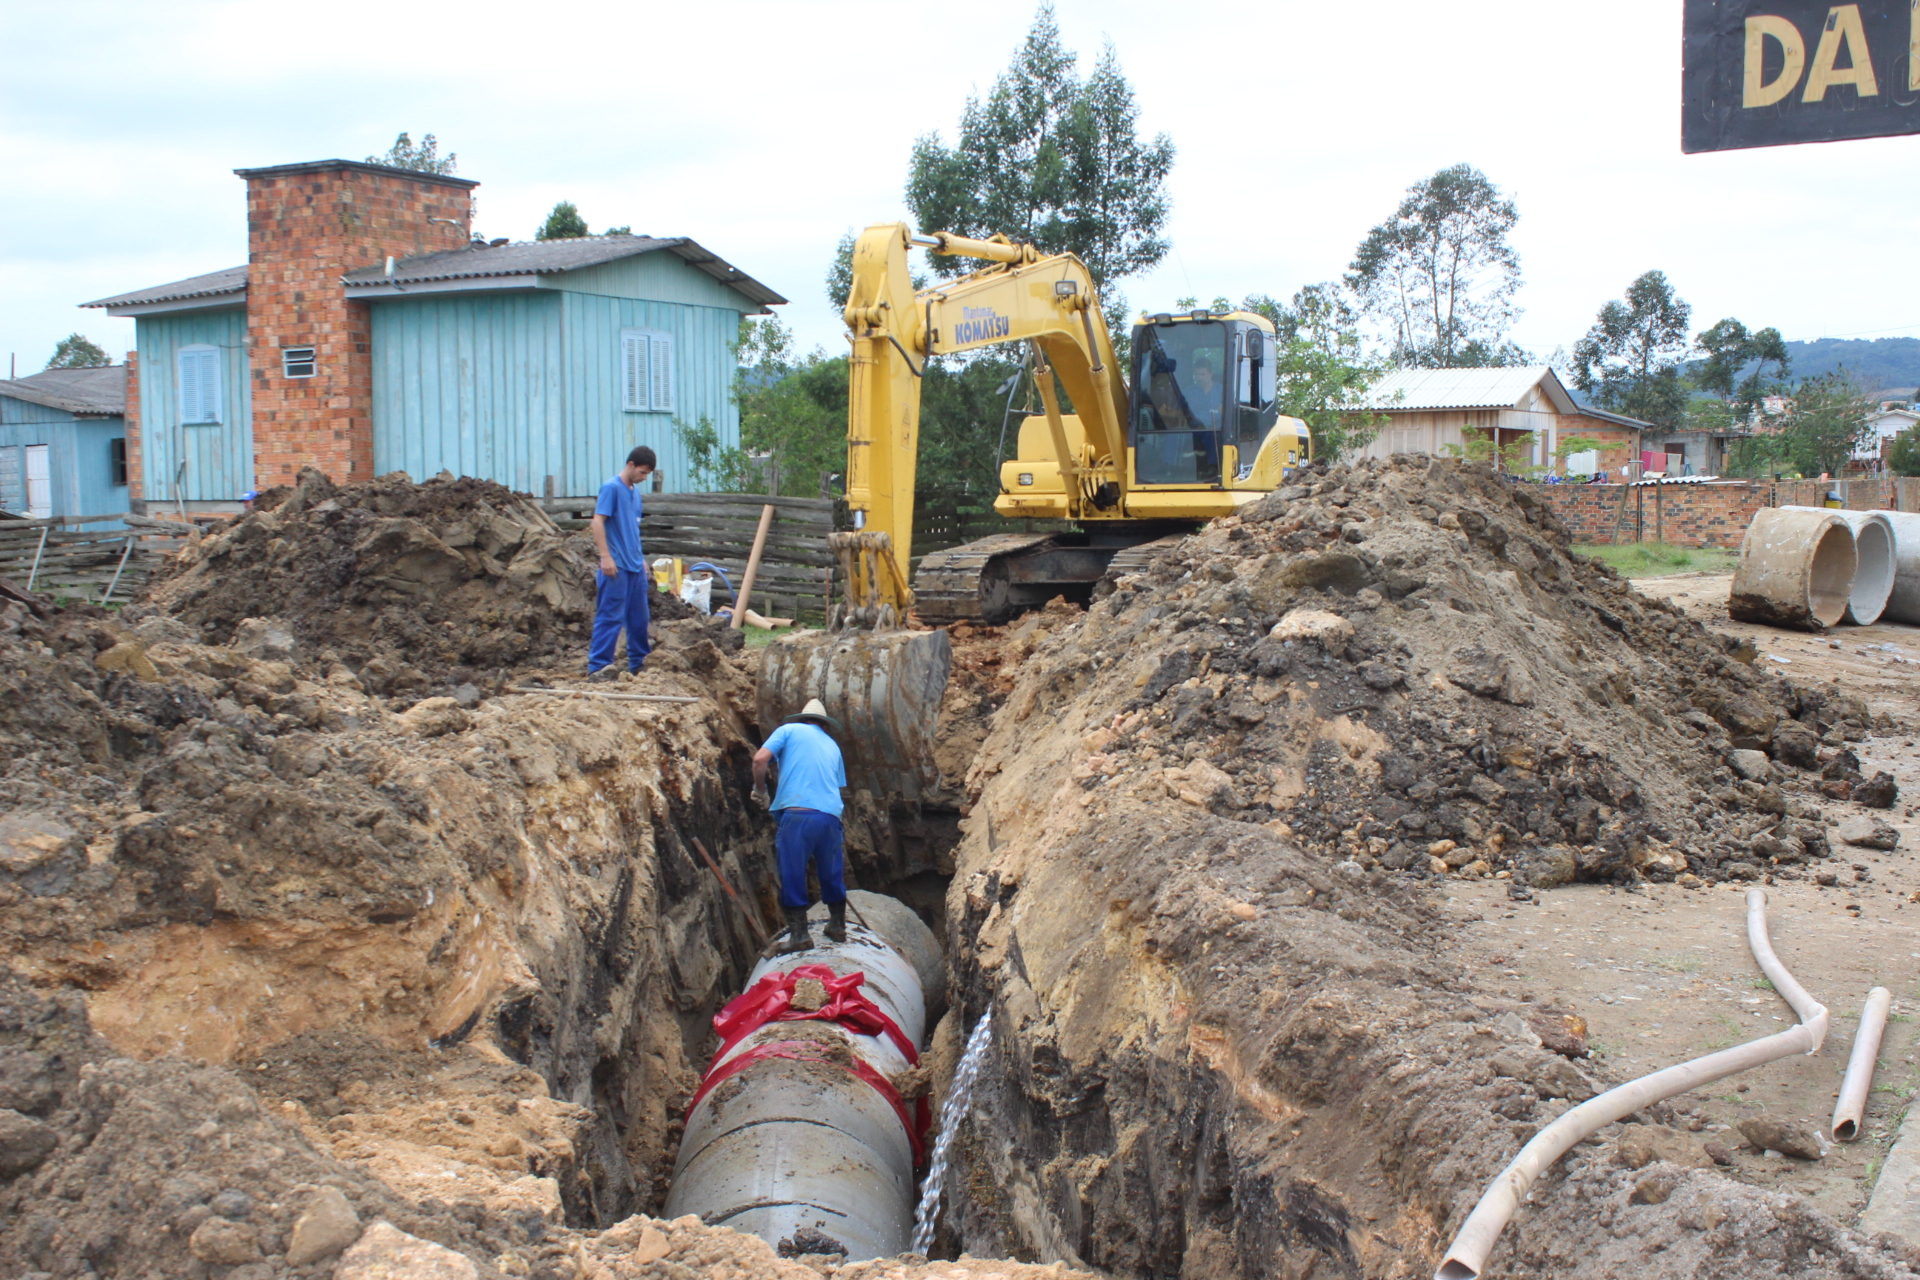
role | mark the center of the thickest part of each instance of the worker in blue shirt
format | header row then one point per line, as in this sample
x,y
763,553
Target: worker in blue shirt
x,y
621,583
807,805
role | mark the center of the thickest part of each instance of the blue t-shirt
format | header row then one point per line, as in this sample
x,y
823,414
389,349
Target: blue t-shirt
x,y
811,771
620,504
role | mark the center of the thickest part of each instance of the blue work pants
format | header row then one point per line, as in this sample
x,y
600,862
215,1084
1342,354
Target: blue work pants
x,y
810,836
621,602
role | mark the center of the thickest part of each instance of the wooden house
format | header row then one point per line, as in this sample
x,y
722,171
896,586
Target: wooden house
x,y
370,331
63,440
1526,410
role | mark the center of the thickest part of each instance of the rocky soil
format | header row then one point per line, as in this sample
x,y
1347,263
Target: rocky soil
x,y
1237,1037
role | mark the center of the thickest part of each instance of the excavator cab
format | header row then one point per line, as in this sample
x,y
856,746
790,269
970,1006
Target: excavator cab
x,y
1202,398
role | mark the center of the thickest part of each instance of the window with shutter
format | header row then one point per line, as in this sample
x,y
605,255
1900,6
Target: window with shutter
x,y
199,384
633,371
662,372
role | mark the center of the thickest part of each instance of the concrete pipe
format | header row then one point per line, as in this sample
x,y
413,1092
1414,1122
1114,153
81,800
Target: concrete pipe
x,y
1903,605
797,1125
1795,570
1874,563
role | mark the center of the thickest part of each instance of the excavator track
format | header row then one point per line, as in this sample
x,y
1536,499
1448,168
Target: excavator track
x,y
1135,559
956,585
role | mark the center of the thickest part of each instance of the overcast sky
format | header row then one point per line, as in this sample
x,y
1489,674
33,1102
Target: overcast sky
x,y
764,130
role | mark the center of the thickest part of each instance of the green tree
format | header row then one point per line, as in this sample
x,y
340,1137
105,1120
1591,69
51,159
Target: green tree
x,y
1828,422
1050,160
1903,453
1630,359
791,406
711,466
76,351
424,158
1439,274
1729,348
1322,376
564,223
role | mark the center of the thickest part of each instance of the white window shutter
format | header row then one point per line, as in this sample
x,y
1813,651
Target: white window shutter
x,y
662,371
210,386
633,372
188,386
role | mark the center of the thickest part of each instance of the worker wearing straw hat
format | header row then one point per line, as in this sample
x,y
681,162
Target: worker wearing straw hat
x,y
807,805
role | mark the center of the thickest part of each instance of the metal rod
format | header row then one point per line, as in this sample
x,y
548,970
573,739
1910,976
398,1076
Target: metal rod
x,y
759,932
125,552
34,572
610,697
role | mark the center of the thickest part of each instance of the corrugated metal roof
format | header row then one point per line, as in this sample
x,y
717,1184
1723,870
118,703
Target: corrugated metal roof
x,y
1415,389
545,257
1603,415
87,393
214,283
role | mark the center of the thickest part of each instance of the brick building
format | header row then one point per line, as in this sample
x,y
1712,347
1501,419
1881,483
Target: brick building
x,y
1527,410
370,331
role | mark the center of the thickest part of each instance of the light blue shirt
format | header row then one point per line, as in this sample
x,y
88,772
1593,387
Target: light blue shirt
x,y
620,504
811,770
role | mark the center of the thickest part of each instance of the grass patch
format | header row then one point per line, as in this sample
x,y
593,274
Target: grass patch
x,y
1659,559
1678,964
1761,984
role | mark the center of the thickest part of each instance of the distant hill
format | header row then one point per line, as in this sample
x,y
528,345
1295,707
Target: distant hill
x,y
1881,363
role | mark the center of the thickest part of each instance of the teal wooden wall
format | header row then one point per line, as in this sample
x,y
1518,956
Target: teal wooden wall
x,y
219,456
518,386
79,459
472,384
602,433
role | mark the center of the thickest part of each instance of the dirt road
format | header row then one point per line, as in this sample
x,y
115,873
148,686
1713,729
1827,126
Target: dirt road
x,y
1664,974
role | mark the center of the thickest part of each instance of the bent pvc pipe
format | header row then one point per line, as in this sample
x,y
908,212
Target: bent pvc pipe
x,y
1874,563
1468,1254
1852,1107
1795,570
1903,605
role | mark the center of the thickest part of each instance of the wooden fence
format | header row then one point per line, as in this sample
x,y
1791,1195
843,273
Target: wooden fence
x,y
61,558
797,571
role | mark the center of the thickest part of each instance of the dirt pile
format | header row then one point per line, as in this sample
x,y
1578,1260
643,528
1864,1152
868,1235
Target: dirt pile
x,y
406,583
1234,1038
462,947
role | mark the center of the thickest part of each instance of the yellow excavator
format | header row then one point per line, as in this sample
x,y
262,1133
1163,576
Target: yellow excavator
x,y
1193,434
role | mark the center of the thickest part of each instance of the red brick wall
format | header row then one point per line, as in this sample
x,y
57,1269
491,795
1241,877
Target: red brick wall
x,y
1617,445
1685,515
133,426
304,230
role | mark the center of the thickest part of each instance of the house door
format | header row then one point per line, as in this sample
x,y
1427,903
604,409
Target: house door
x,y
39,482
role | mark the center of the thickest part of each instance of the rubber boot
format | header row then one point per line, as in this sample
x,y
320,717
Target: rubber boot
x,y
836,929
798,939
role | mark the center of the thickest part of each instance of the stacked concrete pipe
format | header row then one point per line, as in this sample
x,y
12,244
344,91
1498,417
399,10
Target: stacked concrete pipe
x,y
1796,568
783,1146
1903,604
1874,562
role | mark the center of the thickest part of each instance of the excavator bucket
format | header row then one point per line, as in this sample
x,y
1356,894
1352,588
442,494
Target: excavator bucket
x,y
884,689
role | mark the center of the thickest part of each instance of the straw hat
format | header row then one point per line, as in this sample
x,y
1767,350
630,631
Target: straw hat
x,y
815,712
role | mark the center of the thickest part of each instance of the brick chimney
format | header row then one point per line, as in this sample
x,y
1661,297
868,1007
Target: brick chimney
x,y
307,225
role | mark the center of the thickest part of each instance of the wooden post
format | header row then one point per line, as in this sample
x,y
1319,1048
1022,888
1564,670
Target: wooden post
x,y
753,567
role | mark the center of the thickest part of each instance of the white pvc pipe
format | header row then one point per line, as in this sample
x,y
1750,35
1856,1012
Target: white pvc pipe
x,y
1852,1107
1468,1254
1873,573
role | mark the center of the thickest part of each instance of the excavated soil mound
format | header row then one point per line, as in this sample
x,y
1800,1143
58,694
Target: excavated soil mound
x,y
449,574
1407,664
1233,1037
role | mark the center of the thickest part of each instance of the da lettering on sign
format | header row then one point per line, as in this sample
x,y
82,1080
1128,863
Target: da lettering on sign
x,y
1764,73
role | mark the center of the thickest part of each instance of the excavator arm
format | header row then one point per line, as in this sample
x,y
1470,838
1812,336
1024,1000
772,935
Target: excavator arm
x,y
1022,297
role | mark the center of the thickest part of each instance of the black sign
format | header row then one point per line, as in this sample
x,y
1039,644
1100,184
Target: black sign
x,y
1762,73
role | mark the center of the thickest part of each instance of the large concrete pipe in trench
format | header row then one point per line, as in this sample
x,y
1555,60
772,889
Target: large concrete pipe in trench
x,y
1874,562
1795,569
1903,604
798,1125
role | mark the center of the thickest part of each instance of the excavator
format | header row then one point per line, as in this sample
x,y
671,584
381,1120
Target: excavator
x,y
1132,462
